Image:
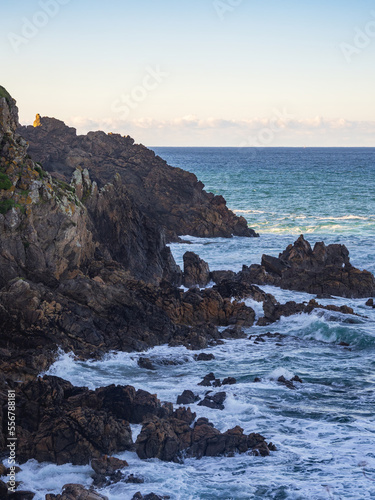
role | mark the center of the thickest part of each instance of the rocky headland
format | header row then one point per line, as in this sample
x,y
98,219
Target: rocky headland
x,y
85,268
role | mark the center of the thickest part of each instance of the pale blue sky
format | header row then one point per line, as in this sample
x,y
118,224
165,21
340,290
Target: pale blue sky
x,y
264,73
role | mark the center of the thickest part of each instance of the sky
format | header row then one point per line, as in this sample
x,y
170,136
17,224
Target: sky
x,y
196,72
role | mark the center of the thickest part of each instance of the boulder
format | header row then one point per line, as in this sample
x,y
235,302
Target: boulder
x,y
186,398
196,271
203,356
214,401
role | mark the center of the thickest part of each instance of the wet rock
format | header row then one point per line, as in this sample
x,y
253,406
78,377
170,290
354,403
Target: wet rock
x,y
203,356
370,303
168,439
196,271
273,310
257,379
207,380
296,378
214,401
149,496
108,465
321,270
17,495
273,265
163,439
76,492
234,332
229,381
287,383
146,363
218,276
131,479
186,398
64,424
184,414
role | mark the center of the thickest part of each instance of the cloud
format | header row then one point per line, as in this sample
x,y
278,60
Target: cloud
x,y
281,129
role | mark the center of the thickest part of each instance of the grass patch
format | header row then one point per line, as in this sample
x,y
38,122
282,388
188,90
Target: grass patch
x,y
40,171
66,186
4,93
6,205
5,182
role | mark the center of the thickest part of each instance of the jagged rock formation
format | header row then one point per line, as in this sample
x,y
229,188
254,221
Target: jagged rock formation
x,y
171,197
324,270
196,271
166,439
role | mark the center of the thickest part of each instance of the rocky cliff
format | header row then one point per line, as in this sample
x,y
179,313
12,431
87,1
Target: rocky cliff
x,y
172,198
83,268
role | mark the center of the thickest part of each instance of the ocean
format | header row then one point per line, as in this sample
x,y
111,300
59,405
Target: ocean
x,y
325,429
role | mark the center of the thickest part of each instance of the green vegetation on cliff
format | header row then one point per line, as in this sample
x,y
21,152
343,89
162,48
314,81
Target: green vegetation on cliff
x,y
4,93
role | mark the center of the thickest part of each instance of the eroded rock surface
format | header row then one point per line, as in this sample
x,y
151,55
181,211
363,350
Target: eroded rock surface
x,y
173,198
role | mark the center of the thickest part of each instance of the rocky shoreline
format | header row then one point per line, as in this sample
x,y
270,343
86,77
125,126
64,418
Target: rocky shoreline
x,y
84,267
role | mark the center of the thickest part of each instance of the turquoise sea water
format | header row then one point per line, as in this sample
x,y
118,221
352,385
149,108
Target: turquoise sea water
x,y
325,429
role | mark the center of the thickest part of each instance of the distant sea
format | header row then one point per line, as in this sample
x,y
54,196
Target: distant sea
x,y
325,429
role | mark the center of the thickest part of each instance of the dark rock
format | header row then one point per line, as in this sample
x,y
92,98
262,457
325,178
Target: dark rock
x,y
204,357
206,382
166,440
186,415
287,383
108,465
196,271
218,276
229,381
17,495
150,496
64,424
186,398
146,363
234,332
214,401
322,270
273,310
76,492
344,344
273,265
257,379
169,197
131,479
370,303
296,378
